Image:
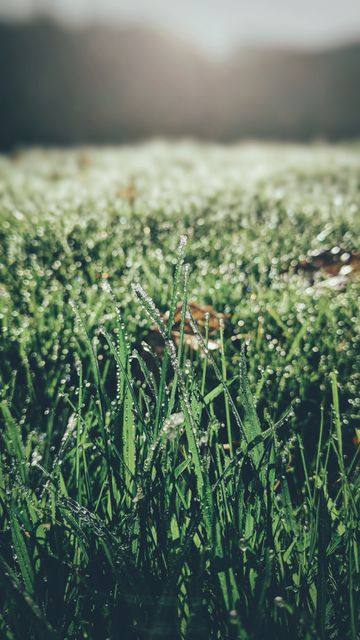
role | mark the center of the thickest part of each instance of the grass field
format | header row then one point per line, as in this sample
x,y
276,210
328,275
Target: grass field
x,y
180,393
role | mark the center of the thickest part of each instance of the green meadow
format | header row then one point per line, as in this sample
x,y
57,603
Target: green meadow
x,y
180,393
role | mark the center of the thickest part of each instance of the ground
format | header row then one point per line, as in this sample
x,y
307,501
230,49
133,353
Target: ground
x,y
201,483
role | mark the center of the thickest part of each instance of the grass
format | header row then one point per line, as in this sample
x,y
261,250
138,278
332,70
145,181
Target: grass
x,y
193,494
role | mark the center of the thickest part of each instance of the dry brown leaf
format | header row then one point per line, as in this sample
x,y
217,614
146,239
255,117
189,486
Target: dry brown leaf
x,y
333,261
200,314
128,191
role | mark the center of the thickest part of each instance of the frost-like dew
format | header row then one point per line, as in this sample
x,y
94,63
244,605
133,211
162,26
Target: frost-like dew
x,y
171,425
211,359
150,308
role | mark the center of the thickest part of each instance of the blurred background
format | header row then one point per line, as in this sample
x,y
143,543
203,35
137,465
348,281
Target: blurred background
x,y
109,71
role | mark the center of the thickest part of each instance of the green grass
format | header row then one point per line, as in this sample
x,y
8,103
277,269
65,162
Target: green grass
x,y
122,513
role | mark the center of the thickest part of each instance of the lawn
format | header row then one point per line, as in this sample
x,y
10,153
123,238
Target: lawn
x,y
180,392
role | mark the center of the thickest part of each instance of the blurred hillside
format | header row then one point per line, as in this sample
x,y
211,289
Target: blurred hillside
x,y
62,85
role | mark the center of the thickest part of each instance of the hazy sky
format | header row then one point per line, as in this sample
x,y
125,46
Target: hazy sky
x,y
218,25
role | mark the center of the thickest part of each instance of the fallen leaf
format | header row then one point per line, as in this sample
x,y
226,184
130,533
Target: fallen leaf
x,y
202,315
129,191
333,261
341,265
